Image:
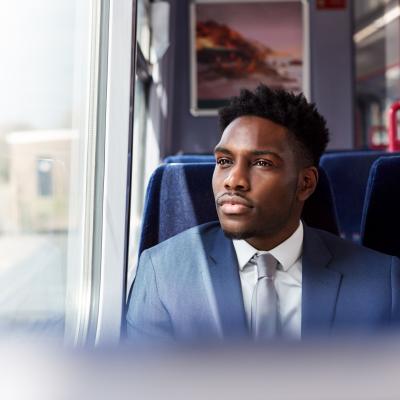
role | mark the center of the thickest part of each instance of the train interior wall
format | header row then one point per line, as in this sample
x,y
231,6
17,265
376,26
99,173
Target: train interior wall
x,y
331,82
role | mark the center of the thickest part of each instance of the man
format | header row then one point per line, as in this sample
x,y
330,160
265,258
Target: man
x,y
260,272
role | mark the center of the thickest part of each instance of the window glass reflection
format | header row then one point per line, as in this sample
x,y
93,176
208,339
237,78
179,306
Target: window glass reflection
x,y
43,113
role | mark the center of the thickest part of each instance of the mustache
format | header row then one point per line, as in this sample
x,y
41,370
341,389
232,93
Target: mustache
x,y
233,197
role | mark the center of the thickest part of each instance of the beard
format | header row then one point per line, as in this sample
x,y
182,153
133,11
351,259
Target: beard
x,y
240,235
256,230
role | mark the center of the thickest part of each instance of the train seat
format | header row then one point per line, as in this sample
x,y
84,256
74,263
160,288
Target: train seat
x,y
348,174
381,213
189,158
179,196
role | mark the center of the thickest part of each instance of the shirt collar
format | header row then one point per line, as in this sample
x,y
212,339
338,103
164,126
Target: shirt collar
x,y
287,252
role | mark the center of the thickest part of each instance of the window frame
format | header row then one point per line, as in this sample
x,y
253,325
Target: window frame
x,y
107,316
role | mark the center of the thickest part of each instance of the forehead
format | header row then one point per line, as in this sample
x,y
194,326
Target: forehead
x,y
255,133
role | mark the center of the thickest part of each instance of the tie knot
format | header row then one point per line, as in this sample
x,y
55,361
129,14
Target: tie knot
x,y
266,265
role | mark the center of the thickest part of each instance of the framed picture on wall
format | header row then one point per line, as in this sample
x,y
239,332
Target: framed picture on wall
x,y
238,44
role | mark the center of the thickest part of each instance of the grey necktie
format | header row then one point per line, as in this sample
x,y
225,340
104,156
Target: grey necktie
x,y
264,304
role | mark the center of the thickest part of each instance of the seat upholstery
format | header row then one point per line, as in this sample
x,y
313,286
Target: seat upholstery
x,y
381,213
190,158
348,174
180,196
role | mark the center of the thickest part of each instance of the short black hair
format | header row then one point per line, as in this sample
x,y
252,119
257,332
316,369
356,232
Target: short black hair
x,y
301,118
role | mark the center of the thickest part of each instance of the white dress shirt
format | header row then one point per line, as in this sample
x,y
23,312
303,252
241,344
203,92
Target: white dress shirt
x,y
287,280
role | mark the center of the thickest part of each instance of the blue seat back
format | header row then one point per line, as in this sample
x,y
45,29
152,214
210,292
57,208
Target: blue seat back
x,y
190,158
348,174
180,196
381,214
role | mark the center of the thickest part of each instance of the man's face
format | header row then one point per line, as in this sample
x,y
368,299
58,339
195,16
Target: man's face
x,y
255,181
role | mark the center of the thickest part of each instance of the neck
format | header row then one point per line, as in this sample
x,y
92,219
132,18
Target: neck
x,y
270,241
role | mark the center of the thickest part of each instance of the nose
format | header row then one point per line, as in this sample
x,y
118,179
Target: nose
x,y
237,178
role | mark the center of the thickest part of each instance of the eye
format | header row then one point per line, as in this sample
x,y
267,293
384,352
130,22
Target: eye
x,y
224,161
264,163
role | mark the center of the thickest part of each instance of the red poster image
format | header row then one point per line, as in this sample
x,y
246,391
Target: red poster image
x,y
237,44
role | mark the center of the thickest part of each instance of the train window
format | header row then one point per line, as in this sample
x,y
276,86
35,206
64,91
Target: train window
x,y
377,70
60,75
151,109
142,84
138,167
44,177
42,129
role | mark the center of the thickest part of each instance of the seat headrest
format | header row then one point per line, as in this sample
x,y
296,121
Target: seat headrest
x,y
180,196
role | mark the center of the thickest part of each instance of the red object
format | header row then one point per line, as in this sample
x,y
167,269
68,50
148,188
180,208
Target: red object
x,y
377,129
394,141
331,4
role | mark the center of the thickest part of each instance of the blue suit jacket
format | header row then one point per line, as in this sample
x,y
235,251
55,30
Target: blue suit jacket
x,y
188,288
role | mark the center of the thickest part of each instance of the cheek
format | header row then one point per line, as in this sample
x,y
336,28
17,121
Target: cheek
x,y
277,194
216,182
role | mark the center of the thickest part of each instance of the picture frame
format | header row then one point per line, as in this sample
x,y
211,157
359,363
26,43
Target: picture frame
x,y
237,44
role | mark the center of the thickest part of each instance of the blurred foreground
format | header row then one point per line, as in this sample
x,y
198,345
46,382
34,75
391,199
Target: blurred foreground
x,y
356,369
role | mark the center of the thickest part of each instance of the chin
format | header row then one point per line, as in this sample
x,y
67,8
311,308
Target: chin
x,y
234,229
237,234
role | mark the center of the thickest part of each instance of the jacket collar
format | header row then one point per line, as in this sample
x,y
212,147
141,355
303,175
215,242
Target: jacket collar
x,y
320,285
224,273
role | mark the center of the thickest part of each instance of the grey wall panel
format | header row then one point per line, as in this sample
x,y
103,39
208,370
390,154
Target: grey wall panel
x,y
332,71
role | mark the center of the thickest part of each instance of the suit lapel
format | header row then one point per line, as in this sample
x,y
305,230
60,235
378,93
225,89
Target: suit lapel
x,y
320,285
224,273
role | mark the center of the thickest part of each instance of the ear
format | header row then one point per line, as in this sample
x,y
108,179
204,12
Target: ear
x,y
308,179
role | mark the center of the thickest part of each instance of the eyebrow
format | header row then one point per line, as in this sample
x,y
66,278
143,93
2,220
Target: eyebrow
x,y
265,152
220,149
